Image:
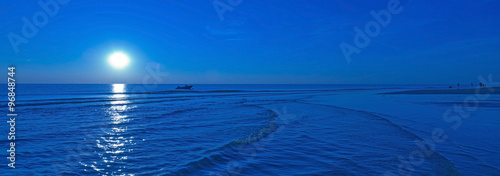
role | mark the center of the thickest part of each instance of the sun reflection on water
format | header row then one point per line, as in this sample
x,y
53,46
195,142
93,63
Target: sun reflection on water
x,y
115,142
119,96
118,88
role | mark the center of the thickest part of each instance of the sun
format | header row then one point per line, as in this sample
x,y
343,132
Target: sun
x,y
118,60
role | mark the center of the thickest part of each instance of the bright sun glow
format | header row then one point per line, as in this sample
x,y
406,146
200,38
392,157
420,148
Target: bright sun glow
x,y
119,60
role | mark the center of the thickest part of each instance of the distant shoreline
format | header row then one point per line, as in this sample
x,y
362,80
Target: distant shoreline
x,y
487,90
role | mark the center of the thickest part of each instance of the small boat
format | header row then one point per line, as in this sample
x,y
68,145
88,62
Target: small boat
x,y
188,87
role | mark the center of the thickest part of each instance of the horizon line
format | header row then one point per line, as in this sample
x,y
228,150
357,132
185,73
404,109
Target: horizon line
x,y
247,83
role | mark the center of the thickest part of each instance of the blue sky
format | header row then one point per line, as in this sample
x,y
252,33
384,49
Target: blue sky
x,y
257,42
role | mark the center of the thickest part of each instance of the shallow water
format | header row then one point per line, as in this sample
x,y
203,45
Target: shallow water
x,y
239,130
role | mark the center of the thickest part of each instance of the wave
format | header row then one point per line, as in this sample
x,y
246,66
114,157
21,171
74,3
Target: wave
x,y
221,154
445,166
120,101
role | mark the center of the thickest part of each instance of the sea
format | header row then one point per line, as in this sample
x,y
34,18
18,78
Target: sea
x,y
135,129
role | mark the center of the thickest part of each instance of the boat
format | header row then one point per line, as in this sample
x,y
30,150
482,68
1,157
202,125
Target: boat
x,y
187,87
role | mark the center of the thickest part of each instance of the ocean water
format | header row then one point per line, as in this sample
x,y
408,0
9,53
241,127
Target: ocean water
x,y
123,129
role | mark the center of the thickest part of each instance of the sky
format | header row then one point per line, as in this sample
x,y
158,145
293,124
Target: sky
x,y
251,42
